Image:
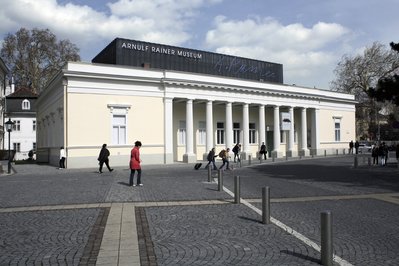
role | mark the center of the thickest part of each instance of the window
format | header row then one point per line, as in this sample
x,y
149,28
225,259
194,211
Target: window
x,y
220,133
337,125
202,133
34,125
25,105
252,133
181,138
236,132
119,129
17,125
17,146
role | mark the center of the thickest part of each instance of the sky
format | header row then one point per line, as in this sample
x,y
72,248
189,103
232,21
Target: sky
x,y
309,37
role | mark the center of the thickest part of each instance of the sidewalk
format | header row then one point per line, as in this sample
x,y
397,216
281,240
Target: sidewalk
x,y
178,218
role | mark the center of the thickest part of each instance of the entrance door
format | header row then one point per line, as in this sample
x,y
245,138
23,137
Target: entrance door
x,y
269,142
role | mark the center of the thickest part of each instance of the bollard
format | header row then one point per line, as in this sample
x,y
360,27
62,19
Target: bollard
x,y
326,238
369,161
266,205
355,164
249,159
220,180
273,155
209,173
325,153
286,157
237,189
336,152
344,151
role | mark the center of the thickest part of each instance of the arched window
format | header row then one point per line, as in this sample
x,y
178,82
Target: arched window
x,y
25,105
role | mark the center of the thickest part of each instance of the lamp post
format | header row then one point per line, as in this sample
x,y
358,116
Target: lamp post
x,y
9,125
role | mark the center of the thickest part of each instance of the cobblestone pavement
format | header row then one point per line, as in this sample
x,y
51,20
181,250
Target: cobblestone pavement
x,y
79,217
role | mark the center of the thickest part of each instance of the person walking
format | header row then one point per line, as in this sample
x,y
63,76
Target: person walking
x,y
374,154
103,158
397,153
263,151
224,154
351,147
357,147
236,151
62,158
135,162
211,159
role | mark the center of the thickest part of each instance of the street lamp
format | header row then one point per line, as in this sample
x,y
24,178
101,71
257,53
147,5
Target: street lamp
x,y
9,125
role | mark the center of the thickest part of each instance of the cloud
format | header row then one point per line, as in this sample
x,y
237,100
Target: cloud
x,y
303,51
154,21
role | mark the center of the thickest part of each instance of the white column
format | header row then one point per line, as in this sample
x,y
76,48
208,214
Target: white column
x,y
304,131
189,157
245,127
291,132
276,129
168,135
189,127
262,126
229,125
209,126
315,132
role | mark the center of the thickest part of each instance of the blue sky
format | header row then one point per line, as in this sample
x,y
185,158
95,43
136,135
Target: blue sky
x,y
309,37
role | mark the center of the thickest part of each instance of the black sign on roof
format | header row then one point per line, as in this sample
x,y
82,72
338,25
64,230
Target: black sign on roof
x,y
159,56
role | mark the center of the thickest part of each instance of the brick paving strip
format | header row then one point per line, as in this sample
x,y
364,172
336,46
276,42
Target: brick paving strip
x,y
126,223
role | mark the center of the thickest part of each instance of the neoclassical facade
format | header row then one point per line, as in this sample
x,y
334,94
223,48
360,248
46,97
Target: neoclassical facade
x,y
180,116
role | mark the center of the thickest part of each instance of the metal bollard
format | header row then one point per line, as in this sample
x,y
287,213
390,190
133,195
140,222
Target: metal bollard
x,y
326,238
273,156
237,189
369,161
209,173
325,153
355,163
266,205
220,180
249,159
336,152
344,151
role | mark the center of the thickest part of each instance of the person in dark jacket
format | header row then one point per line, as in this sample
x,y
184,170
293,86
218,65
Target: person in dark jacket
x,y
357,144
211,159
103,158
262,151
397,153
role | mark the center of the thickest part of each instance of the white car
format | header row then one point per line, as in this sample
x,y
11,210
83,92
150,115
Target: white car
x,y
365,147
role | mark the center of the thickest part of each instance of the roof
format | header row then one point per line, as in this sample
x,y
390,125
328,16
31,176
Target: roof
x,y
23,92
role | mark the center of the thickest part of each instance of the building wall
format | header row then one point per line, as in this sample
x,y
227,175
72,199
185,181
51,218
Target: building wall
x,y
76,111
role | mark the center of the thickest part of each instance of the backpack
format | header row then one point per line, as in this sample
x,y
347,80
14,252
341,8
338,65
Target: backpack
x,y
221,153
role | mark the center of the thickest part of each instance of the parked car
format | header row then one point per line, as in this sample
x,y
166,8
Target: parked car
x,y
365,147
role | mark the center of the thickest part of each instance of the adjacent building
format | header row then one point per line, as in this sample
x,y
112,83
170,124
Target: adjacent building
x,y
3,84
180,103
21,109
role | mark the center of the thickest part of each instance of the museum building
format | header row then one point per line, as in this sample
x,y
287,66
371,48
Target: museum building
x,y
180,103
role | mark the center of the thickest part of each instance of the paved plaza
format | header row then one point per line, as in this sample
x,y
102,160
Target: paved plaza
x,y
79,217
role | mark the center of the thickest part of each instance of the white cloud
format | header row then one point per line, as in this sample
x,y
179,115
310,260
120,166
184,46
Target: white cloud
x,y
154,21
302,51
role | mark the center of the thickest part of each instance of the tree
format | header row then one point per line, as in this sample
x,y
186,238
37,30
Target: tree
x,y
35,56
356,75
387,88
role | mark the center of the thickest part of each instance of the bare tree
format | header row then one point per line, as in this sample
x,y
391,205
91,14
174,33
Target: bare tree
x,y
34,56
356,75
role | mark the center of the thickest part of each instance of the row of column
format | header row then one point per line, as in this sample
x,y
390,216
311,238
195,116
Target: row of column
x,y
229,128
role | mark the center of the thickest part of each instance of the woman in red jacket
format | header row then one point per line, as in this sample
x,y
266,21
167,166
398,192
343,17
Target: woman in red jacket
x,y
135,164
